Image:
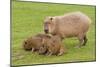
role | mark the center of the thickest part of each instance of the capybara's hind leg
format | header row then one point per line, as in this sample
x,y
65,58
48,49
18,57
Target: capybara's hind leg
x,y
81,40
61,51
85,40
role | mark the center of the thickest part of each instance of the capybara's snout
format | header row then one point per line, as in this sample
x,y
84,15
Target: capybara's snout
x,y
26,46
46,31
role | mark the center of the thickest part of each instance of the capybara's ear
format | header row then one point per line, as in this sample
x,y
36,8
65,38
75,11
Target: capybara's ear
x,y
25,42
51,18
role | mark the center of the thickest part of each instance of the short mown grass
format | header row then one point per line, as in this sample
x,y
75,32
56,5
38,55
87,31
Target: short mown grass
x,y
27,20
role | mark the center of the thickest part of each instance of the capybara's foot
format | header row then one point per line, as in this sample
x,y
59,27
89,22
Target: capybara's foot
x,y
78,46
62,50
48,54
59,54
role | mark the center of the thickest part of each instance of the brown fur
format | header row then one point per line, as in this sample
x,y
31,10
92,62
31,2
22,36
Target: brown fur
x,y
52,46
75,24
35,42
44,44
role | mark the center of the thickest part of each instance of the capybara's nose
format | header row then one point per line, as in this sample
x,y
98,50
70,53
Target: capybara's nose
x,y
46,31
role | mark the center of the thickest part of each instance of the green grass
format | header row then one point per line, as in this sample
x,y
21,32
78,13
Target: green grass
x,y
27,20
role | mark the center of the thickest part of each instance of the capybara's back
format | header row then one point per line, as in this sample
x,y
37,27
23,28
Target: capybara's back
x,y
73,24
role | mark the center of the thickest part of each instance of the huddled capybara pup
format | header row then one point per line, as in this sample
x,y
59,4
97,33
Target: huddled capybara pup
x,y
74,24
35,42
44,44
52,46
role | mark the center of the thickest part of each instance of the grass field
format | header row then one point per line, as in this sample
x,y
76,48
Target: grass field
x,y
27,20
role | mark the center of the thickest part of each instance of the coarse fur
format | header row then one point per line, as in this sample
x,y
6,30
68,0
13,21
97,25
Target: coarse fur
x,y
35,42
52,46
74,24
44,44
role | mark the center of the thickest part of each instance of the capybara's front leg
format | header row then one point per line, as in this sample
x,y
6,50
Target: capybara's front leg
x,y
81,40
33,49
49,53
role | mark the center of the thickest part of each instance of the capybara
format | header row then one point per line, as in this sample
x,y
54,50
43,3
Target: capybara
x,y
52,46
35,42
74,24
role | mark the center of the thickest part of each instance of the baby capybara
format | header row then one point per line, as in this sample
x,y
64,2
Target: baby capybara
x,y
35,42
52,46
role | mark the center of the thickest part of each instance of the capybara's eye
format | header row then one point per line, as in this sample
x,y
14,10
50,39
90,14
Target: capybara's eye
x,y
25,42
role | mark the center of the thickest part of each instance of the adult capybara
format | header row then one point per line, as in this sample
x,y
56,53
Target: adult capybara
x,y
74,24
35,42
52,46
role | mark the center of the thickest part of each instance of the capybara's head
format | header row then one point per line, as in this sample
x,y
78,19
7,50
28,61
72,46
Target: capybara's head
x,y
49,25
27,45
